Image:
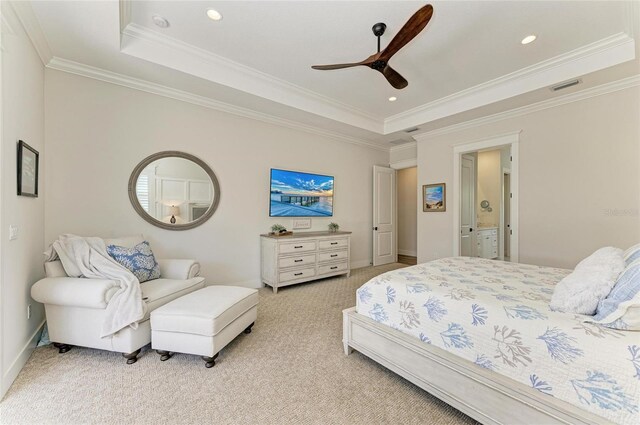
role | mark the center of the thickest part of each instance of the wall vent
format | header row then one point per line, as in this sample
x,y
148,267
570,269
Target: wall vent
x,y
565,85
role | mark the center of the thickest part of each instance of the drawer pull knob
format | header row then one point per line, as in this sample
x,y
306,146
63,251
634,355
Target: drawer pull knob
x,y
297,261
299,246
334,255
334,243
334,267
297,274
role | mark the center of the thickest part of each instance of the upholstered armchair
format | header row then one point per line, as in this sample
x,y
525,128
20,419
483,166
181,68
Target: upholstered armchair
x,y
75,307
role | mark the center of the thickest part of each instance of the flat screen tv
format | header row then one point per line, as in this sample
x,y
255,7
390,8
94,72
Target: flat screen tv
x,y
296,194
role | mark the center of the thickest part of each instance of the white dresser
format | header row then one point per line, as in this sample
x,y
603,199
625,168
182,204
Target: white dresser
x,y
304,256
487,239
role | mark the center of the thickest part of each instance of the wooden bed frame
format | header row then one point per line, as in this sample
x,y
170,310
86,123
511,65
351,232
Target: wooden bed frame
x,y
486,396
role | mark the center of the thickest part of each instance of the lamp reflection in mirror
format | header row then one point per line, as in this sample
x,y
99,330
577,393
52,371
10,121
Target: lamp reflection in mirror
x,y
174,211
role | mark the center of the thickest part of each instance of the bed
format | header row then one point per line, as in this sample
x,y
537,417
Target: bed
x,y
479,334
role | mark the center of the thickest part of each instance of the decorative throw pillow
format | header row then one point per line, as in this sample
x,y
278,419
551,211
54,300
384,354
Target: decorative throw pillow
x,y
139,260
589,283
632,254
621,308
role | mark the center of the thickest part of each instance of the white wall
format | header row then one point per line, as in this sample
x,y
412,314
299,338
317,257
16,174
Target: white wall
x,y
22,118
579,179
97,133
403,154
407,211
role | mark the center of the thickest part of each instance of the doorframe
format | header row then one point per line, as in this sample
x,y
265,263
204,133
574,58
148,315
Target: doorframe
x,y
512,139
501,235
401,165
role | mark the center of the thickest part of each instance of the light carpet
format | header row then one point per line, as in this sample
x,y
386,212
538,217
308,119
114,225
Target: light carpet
x,y
290,370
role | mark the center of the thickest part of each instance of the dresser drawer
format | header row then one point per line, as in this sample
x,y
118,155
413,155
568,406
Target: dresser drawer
x,y
333,243
297,274
288,248
332,255
298,260
332,268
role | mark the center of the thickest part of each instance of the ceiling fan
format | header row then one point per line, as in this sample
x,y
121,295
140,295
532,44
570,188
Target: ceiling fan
x,y
380,61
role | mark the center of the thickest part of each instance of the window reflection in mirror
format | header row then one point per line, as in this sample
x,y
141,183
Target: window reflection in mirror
x,y
174,190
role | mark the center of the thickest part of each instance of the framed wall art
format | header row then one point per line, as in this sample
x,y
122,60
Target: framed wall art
x,y
434,197
28,159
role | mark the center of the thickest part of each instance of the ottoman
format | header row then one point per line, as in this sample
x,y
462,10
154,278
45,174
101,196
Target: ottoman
x,y
203,322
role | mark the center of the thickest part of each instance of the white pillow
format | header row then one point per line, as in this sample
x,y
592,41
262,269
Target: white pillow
x,y
591,281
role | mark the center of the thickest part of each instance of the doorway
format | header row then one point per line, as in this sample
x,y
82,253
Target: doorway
x,y
395,214
485,198
407,183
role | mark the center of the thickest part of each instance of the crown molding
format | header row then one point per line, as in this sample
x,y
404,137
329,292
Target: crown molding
x,y
407,163
160,90
125,14
6,29
141,42
403,147
601,54
600,90
31,25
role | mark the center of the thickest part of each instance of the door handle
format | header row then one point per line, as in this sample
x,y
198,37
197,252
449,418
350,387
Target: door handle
x,y
375,228
470,229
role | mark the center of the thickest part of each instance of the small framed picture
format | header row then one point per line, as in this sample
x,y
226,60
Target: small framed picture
x,y
27,170
434,197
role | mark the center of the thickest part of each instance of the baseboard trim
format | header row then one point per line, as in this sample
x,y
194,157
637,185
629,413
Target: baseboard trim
x,y
20,361
407,253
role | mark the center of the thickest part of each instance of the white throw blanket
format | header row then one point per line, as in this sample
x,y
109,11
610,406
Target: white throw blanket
x,y
88,258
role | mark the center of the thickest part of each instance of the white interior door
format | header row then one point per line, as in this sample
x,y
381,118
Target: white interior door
x,y
385,242
467,205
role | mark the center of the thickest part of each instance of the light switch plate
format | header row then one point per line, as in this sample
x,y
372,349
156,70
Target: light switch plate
x,y
301,223
13,232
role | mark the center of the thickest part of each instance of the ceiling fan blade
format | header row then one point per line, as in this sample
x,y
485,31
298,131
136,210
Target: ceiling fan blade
x,y
395,79
414,25
336,66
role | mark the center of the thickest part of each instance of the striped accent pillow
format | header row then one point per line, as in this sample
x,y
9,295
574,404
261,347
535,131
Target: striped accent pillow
x,y
621,308
632,254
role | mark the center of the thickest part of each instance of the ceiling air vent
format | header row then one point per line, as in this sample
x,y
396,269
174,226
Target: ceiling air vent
x,y
411,130
565,85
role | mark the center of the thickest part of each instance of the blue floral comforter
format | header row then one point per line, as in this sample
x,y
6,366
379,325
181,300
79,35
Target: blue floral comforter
x,y
496,314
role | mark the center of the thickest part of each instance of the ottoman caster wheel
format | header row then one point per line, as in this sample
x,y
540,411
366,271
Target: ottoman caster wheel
x,y
131,357
164,355
62,348
210,361
248,330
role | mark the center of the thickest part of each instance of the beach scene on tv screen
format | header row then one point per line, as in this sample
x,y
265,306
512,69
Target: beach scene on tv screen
x,y
296,194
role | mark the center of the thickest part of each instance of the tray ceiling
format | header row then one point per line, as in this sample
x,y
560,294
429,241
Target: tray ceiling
x,y
260,54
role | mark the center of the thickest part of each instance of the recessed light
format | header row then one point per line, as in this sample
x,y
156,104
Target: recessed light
x,y
160,21
214,14
529,39
393,99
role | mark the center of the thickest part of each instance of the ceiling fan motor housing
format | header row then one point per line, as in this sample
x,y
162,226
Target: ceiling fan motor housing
x,y
379,65
378,29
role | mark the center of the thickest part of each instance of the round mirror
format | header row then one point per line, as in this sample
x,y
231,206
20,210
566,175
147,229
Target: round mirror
x,y
174,190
